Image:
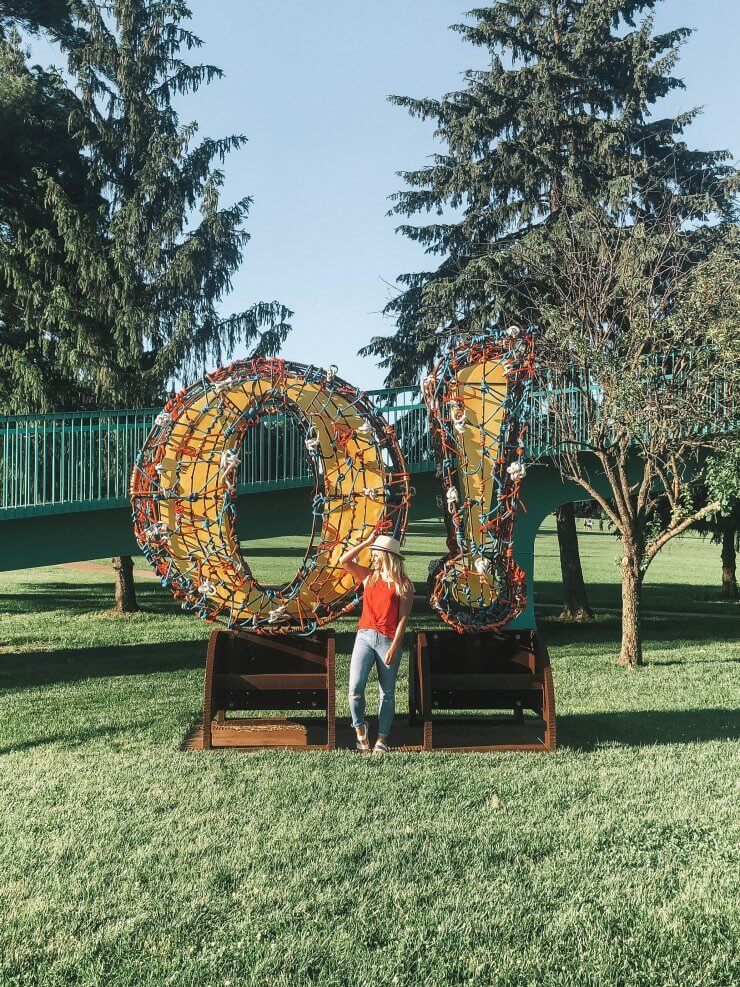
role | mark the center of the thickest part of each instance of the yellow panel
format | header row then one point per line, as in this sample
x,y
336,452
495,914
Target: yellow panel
x,y
478,448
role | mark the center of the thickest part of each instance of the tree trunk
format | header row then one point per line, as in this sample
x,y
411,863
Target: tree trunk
x,y
631,653
123,566
575,600
729,576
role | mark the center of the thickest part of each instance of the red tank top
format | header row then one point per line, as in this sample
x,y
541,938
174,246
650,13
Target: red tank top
x,y
379,608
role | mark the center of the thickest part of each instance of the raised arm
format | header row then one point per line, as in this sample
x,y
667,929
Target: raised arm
x,y
347,561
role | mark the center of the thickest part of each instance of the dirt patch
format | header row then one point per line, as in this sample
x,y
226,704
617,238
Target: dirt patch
x,y
101,567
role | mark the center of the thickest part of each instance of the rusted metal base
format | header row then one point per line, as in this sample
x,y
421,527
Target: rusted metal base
x,y
450,676
464,672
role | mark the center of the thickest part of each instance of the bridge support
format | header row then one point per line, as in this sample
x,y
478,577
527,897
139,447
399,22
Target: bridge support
x,y
50,539
77,536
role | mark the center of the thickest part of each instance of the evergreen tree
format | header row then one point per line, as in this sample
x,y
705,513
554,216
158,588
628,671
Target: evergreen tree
x,y
171,248
43,307
565,103
164,271
153,264
111,282
566,100
52,16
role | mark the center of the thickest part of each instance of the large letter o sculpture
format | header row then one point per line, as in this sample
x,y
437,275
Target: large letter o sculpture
x,y
184,490
478,402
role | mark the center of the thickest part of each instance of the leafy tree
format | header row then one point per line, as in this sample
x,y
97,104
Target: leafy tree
x,y
634,347
565,101
715,298
722,480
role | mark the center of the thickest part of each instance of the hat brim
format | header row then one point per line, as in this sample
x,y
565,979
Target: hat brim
x,y
388,551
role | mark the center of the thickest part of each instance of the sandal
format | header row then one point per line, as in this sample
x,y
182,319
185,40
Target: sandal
x,y
363,742
380,747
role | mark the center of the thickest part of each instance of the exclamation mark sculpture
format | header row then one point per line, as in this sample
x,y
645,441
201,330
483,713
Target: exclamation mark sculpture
x,y
478,401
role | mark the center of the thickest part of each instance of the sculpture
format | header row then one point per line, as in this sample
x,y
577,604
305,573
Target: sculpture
x,y
184,492
184,486
478,401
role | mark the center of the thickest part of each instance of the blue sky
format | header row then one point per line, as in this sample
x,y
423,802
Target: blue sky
x,y
307,84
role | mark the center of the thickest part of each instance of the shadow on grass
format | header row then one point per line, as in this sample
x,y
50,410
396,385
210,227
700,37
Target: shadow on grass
x,y
657,632
32,669
83,598
576,731
589,731
655,596
71,738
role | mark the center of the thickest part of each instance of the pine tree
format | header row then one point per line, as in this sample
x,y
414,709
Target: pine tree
x,y
52,16
43,307
171,247
167,270
112,279
566,100
154,263
564,104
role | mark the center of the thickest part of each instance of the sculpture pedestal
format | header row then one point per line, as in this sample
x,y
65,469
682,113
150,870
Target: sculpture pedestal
x,y
471,672
249,672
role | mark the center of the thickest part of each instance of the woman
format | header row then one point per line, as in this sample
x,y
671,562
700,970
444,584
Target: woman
x,y
386,605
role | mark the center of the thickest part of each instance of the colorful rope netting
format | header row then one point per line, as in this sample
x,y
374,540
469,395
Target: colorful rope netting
x,y
478,401
184,489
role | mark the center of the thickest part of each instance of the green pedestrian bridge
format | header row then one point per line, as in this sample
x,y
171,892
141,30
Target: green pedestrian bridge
x,y
64,480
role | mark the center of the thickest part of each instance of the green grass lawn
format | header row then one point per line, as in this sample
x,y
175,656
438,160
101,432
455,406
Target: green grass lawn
x,y
685,575
124,861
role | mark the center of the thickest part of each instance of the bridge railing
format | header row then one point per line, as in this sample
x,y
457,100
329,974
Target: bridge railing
x,y
73,461
70,461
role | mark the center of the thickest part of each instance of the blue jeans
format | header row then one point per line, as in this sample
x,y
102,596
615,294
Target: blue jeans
x,y
370,649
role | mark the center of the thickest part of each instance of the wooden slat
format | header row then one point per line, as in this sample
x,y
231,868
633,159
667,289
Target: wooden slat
x,y
276,644
487,748
467,683
270,681
285,735
503,719
237,722
244,734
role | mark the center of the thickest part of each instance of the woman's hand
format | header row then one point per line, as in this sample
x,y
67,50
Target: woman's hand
x,y
382,527
404,609
360,572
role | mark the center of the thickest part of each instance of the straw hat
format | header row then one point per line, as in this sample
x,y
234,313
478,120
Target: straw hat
x,y
384,543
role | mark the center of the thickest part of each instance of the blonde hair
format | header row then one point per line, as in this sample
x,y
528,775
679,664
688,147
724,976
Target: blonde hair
x,y
392,571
